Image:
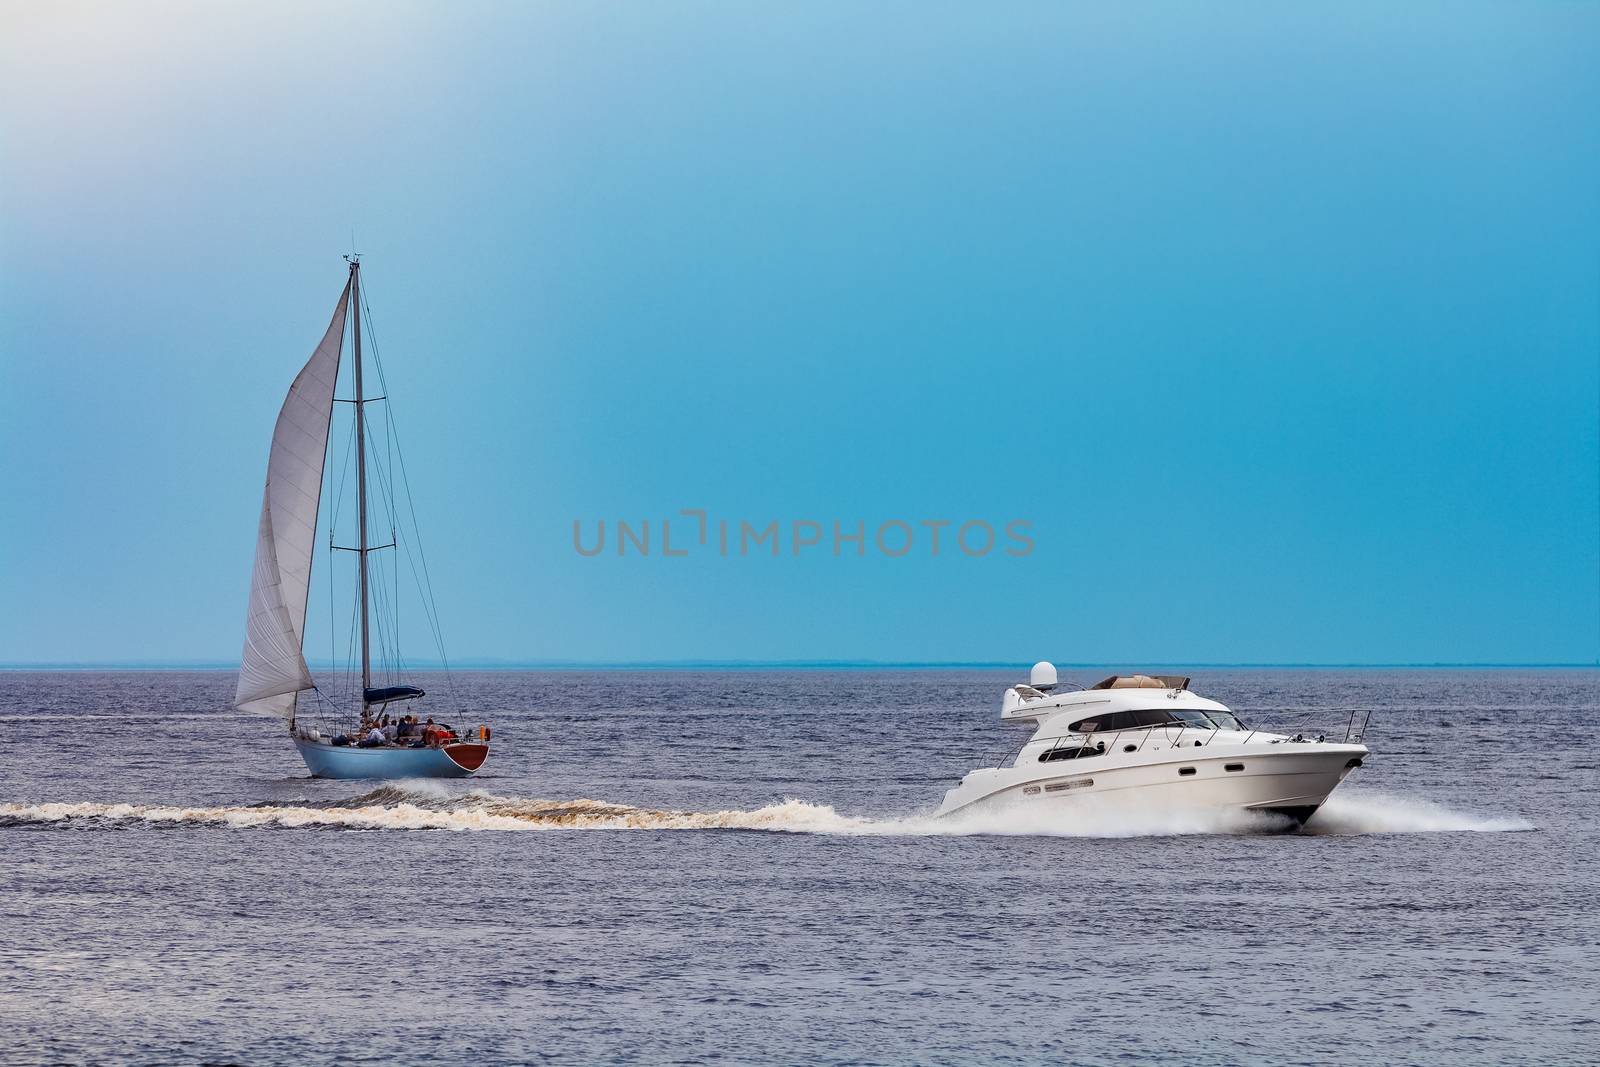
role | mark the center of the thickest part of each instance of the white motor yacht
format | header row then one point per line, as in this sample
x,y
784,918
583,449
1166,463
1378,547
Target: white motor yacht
x,y
1145,743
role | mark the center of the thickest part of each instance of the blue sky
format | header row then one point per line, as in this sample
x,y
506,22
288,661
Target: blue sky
x,y
1279,323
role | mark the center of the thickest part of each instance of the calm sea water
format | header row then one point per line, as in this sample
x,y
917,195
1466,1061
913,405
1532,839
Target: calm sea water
x,y
738,867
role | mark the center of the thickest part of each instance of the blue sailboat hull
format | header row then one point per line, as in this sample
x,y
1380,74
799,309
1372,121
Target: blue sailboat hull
x,y
349,761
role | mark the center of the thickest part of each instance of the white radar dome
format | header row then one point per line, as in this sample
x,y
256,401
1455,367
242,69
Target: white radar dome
x,y
1043,675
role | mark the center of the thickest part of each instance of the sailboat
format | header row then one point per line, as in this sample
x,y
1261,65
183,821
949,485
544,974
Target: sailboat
x,y
339,734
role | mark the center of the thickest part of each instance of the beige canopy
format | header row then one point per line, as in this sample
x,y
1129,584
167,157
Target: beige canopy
x,y
1144,681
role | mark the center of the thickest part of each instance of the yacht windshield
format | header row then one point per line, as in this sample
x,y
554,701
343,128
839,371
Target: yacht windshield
x,y
1209,720
1190,718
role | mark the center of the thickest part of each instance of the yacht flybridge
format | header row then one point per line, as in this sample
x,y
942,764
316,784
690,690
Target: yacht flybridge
x,y
349,726
1146,743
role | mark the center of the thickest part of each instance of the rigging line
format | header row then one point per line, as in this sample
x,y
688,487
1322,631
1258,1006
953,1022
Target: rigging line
x,y
333,522
391,608
388,465
394,538
429,617
388,444
348,684
392,621
388,637
388,632
333,607
397,602
431,607
386,489
391,645
386,484
378,618
395,571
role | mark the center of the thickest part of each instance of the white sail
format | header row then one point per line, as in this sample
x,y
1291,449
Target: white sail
x,y
273,669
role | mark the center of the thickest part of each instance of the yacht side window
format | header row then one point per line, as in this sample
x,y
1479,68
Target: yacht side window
x,y
1122,720
1072,752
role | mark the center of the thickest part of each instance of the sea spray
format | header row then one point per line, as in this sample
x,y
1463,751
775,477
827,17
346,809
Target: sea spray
x,y
1380,813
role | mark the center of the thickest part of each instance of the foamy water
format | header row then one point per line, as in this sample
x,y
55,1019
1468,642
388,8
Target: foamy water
x,y
1354,812
417,807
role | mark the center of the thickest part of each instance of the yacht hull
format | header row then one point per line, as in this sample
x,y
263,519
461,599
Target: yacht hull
x,y
459,760
1292,780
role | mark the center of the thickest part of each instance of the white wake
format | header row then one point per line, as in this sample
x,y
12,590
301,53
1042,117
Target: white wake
x,y
419,807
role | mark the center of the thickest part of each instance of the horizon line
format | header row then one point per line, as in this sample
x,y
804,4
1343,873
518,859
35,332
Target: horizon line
x,y
795,664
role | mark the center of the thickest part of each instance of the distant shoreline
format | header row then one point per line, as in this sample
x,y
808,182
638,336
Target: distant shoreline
x,y
800,665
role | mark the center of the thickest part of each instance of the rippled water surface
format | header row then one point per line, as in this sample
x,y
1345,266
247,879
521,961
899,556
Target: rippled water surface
x,y
740,867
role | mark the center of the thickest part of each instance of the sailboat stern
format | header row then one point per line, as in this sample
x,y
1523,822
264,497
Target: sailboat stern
x,y
468,755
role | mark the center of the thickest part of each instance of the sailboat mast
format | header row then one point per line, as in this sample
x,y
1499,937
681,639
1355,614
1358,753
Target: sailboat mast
x,y
361,485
